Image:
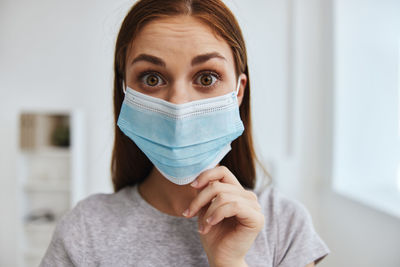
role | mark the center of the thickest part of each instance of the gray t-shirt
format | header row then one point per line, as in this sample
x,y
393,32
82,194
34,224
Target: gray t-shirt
x,y
123,229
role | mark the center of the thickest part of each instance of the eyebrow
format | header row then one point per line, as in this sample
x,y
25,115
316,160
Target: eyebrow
x,y
204,57
195,61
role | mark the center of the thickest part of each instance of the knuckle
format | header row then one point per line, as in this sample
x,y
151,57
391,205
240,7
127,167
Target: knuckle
x,y
262,219
259,206
214,186
235,204
253,195
224,168
261,222
222,197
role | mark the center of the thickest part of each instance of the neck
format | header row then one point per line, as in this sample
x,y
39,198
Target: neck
x,y
166,196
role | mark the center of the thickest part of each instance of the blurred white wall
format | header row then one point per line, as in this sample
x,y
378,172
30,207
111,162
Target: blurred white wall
x,y
55,55
59,54
357,235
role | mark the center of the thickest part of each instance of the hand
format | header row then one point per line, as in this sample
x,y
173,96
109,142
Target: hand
x,y
234,214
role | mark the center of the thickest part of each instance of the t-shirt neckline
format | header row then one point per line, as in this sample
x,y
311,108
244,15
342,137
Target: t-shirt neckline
x,y
152,210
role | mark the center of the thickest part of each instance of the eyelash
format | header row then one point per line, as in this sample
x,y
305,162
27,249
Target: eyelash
x,y
212,72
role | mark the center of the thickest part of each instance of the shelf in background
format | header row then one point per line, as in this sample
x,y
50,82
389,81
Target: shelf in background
x,y
48,151
50,180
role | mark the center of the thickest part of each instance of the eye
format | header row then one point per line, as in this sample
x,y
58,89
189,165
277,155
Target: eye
x,y
150,79
207,79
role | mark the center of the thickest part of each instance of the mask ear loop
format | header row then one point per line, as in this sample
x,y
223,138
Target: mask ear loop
x,y
238,86
124,87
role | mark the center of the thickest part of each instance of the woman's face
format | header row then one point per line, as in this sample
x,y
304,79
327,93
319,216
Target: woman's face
x,y
179,59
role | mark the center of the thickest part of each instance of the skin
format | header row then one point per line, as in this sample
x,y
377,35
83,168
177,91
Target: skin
x,y
235,212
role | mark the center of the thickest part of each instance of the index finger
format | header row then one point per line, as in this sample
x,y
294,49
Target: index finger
x,y
220,173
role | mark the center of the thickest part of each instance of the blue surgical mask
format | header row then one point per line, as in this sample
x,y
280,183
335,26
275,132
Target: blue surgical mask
x,y
181,140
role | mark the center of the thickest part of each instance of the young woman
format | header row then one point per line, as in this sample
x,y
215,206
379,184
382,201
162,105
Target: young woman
x,y
183,164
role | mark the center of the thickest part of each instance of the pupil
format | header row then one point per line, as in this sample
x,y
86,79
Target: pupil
x,y
152,80
206,80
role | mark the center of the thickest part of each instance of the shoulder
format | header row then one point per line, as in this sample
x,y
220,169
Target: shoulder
x,y
68,246
73,235
90,210
73,220
99,203
280,206
83,208
289,226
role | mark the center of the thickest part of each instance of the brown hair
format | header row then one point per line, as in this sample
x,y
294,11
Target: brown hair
x,y
129,165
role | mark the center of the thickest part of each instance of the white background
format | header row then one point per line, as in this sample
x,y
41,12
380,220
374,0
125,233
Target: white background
x,y
366,102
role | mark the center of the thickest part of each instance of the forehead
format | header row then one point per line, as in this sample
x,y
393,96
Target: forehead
x,y
179,36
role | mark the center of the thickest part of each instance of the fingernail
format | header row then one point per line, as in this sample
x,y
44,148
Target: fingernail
x,y
209,219
200,228
194,183
186,212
